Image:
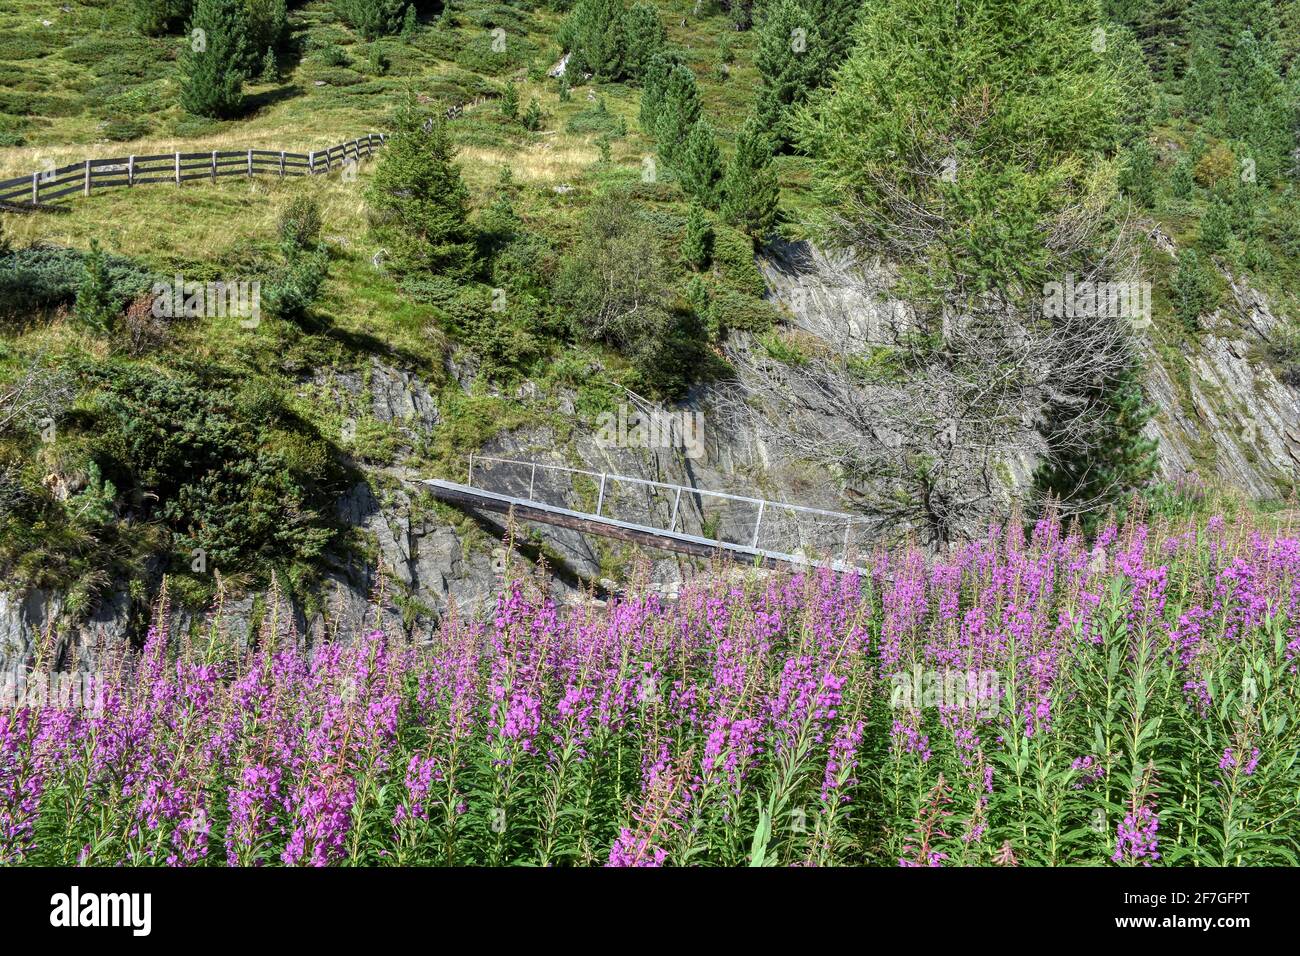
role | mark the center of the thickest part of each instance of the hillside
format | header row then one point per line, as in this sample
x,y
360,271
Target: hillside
x,y
597,262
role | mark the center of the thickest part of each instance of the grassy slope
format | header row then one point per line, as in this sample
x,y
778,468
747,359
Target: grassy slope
x,y
206,230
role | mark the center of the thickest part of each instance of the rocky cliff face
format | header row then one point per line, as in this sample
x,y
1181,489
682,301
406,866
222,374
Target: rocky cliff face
x,y
1222,414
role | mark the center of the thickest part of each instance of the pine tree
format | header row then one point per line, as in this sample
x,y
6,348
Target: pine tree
x,y
1114,458
1216,226
791,57
749,188
94,307
1192,290
410,25
644,37
697,244
835,21
1182,181
510,101
156,17
594,36
699,166
267,20
532,118
654,84
1137,176
1161,29
678,111
1259,106
372,18
419,204
1202,86
212,64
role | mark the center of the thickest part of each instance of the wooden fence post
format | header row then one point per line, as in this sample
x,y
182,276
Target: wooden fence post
x,y
214,165
178,168
130,170
36,188
282,164
311,163
87,177
250,162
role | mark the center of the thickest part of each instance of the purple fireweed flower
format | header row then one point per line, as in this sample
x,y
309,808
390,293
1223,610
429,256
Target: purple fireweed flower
x,y
1136,837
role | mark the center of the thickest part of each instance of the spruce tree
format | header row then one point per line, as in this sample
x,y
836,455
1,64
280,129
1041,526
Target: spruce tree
x,y
699,165
419,204
213,62
749,188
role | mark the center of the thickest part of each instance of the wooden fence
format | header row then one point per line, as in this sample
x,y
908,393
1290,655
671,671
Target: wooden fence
x,y
91,174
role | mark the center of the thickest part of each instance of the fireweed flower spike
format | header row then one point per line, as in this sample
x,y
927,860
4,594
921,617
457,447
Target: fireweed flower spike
x,y
759,716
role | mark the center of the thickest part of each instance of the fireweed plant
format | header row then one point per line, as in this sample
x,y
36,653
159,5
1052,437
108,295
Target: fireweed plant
x,y
1130,700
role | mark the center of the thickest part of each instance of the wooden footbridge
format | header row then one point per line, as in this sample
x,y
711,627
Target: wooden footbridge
x,y
679,518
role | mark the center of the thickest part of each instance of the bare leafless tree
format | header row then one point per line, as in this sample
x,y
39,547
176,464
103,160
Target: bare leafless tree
x,y
39,393
939,430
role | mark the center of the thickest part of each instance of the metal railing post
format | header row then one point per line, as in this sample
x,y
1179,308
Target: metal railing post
x,y
178,168
600,500
848,527
87,177
532,480
214,165
36,188
758,524
130,170
672,522
470,479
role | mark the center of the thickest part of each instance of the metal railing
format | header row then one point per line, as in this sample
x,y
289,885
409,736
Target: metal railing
x,y
765,507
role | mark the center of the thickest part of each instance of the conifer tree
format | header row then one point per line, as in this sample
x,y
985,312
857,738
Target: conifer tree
x,y
644,38
699,166
594,36
156,17
697,245
958,156
1137,175
792,56
749,188
679,108
213,62
419,204
372,18
653,86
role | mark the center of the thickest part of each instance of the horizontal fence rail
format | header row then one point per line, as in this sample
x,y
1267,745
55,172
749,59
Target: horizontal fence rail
x,y
754,526
87,175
